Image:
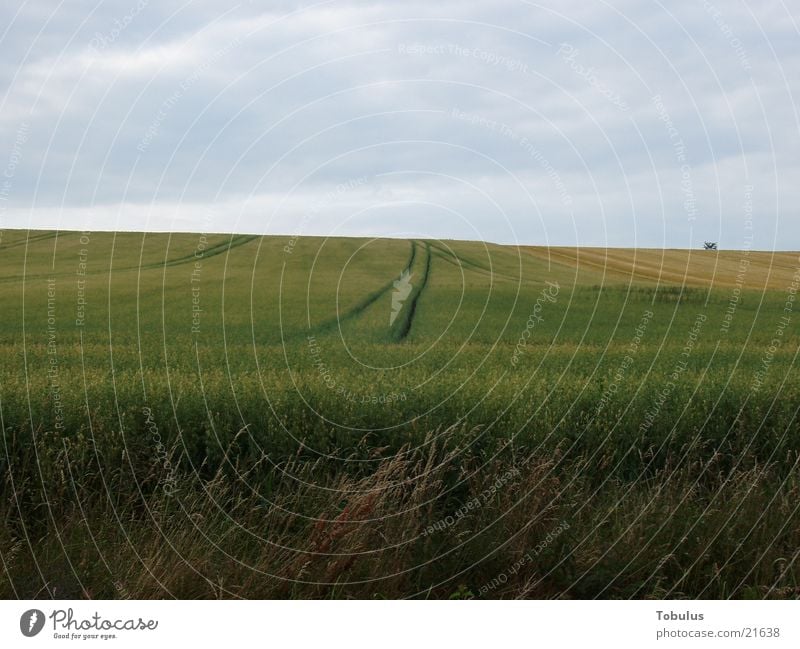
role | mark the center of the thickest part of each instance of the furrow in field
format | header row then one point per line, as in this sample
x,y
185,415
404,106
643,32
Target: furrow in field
x,y
361,306
28,240
212,251
461,262
403,327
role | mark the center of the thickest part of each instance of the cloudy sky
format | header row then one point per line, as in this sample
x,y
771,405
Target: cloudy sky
x,y
633,123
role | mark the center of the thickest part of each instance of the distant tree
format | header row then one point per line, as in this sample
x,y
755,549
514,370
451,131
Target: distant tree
x,y
710,245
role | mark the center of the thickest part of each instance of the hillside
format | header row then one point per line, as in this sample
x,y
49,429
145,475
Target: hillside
x,y
301,399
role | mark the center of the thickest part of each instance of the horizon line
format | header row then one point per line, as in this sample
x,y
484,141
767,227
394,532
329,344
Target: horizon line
x,y
397,238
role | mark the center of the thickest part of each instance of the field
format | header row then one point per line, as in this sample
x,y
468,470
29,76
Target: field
x,y
209,415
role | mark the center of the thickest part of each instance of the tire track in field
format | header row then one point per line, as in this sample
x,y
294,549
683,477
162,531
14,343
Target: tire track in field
x,y
212,251
461,262
361,306
402,330
31,239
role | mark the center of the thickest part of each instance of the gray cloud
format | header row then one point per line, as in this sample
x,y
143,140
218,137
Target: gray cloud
x,y
564,123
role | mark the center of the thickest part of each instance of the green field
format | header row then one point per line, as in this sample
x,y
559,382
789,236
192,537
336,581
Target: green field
x,y
243,416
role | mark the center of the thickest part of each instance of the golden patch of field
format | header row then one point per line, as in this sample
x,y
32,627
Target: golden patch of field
x,y
752,270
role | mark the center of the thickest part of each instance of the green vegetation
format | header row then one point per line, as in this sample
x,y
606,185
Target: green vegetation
x,y
237,416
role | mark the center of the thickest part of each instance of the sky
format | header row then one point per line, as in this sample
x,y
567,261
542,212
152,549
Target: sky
x,y
633,123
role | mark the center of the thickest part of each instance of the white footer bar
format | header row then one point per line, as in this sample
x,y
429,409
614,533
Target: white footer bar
x,y
388,624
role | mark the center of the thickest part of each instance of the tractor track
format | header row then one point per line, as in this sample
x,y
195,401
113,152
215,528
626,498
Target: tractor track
x,y
31,239
211,251
360,306
404,327
463,263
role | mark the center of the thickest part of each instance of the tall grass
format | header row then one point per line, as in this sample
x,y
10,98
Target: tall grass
x,y
434,521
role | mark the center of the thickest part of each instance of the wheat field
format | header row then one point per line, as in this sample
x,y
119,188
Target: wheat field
x,y
215,415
